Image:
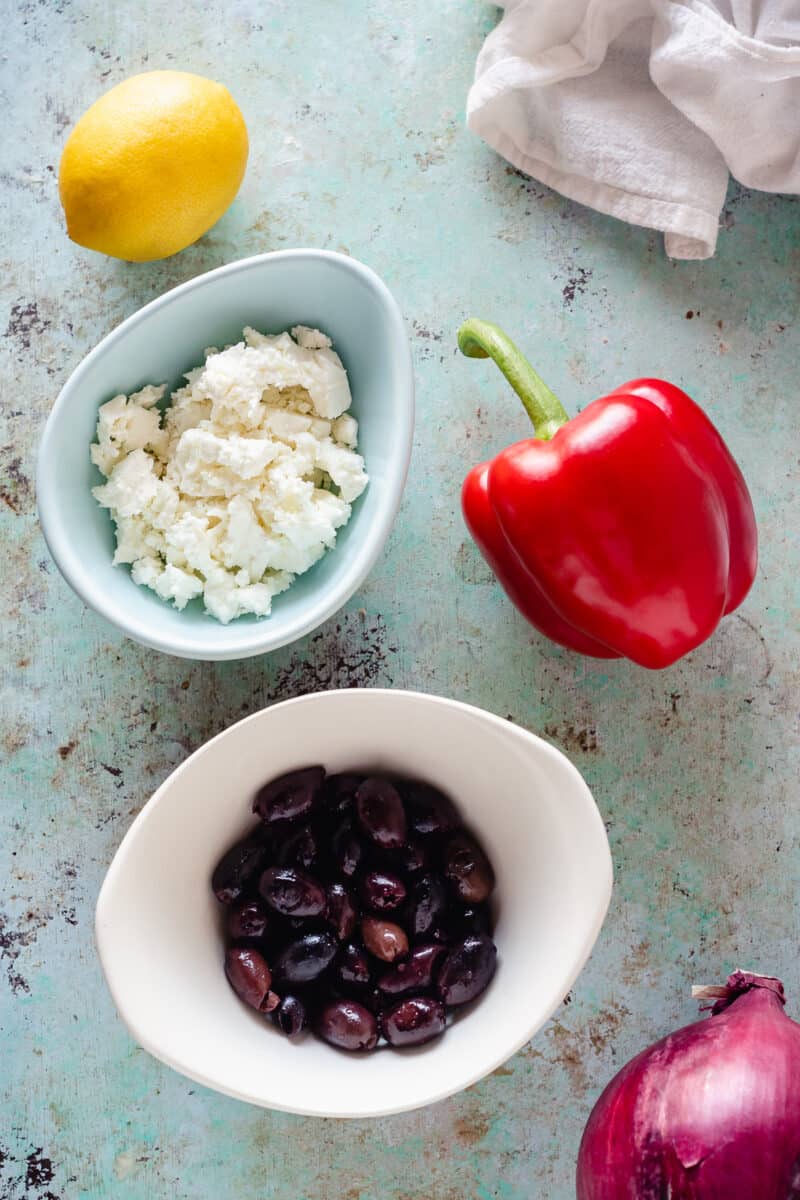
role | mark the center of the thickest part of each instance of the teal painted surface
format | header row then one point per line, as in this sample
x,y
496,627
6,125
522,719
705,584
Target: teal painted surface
x,y
356,118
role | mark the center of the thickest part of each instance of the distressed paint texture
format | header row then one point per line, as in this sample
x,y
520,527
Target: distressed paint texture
x,y
355,112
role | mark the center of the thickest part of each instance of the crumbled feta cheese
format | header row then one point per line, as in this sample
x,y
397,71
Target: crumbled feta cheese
x,y
345,430
207,464
132,485
244,483
311,339
345,468
128,424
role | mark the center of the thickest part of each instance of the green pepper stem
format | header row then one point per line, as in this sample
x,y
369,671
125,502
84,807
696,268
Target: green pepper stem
x,y
482,339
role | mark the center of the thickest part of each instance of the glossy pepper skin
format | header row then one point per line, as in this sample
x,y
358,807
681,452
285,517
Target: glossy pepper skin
x,y
627,531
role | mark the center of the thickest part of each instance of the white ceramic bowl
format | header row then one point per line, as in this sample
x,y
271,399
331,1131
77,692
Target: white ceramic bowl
x,y
158,925
271,292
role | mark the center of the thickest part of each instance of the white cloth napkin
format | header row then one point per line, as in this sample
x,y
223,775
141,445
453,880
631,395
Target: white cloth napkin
x,y
640,108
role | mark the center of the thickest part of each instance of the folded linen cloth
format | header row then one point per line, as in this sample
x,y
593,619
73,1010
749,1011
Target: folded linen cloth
x,y
640,108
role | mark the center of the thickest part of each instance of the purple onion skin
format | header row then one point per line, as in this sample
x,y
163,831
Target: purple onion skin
x,y
711,1112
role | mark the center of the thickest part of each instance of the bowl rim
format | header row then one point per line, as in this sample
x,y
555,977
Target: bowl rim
x,y
322,605
470,1076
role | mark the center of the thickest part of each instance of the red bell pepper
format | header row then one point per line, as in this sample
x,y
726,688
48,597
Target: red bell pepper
x,y
627,531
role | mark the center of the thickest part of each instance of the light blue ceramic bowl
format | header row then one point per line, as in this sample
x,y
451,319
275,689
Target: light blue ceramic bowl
x,y
271,292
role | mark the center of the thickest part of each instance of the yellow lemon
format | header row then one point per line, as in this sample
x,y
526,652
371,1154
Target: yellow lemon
x,y
152,165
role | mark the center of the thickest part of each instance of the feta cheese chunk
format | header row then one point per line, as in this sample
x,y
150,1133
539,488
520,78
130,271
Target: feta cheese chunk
x,y
311,339
345,430
345,468
245,480
131,487
126,424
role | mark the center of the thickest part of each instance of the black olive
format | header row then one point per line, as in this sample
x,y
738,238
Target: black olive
x,y
384,939
248,975
292,892
427,906
381,813
305,959
342,913
467,971
291,1016
290,796
382,891
467,869
429,810
348,1025
414,973
235,869
414,1021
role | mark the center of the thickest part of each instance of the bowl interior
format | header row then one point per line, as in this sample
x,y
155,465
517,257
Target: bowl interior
x,y
158,923
157,345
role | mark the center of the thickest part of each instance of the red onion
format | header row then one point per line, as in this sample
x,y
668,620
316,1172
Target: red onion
x,y
711,1112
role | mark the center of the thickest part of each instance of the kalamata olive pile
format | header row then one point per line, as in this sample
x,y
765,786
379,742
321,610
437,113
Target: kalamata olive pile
x,y
358,907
